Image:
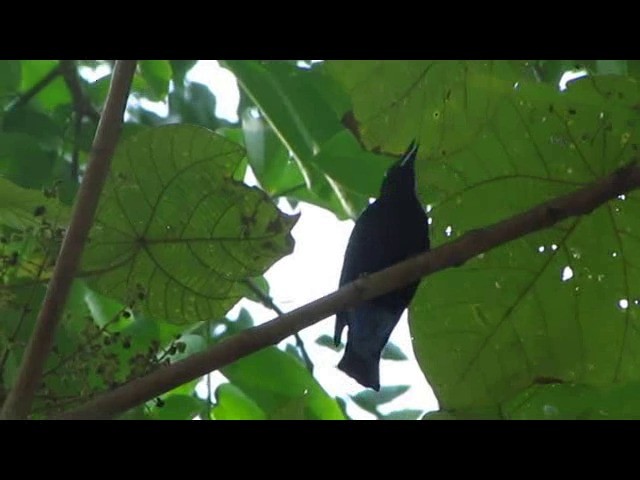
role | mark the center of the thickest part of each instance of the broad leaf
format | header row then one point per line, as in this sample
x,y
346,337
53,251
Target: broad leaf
x,y
157,73
303,118
278,382
175,232
560,303
233,404
576,402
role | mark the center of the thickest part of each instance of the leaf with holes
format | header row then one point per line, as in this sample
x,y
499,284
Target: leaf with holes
x,y
175,233
561,303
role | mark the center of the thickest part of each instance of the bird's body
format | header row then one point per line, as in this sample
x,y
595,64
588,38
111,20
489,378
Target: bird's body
x,y
391,229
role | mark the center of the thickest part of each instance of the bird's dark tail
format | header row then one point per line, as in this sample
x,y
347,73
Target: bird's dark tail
x,y
366,371
369,329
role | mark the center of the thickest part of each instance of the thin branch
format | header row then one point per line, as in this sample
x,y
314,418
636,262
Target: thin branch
x,y
209,392
455,253
75,155
81,108
37,88
81,103
20,398
267,301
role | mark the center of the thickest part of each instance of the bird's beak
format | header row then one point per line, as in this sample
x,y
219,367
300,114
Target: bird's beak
x,y
410,154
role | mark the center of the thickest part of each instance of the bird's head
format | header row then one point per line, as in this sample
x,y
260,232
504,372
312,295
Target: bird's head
x,y
400,179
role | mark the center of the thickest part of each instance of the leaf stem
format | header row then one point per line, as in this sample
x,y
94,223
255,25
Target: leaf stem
x,y
267,301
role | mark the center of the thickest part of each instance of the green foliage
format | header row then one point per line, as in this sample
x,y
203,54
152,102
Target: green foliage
x,y
54,94
498,143
201,236
157,74
575,402
182,238
545,327
271,384
304,119
281,387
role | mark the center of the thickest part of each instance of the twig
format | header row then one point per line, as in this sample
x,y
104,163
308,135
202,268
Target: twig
x,y
81,104
267,301
209,392
81,108
75,155
20,398
37,88
454,253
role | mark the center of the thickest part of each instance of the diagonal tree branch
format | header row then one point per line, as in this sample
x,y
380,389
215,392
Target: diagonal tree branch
x,y
20,398
37,88
580,202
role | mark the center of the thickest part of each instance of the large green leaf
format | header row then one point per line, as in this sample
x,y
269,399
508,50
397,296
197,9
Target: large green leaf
x,y
575,402
157,74
496,145
281,386
233,404
276,382
444,104
296,104
54,93
279,173
176,232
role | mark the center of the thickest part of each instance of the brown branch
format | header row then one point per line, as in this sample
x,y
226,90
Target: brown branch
x,y
81,108
455,253
20,398
81,103
37,88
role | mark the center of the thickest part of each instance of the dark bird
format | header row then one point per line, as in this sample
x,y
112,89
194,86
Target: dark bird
x,y
391,229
